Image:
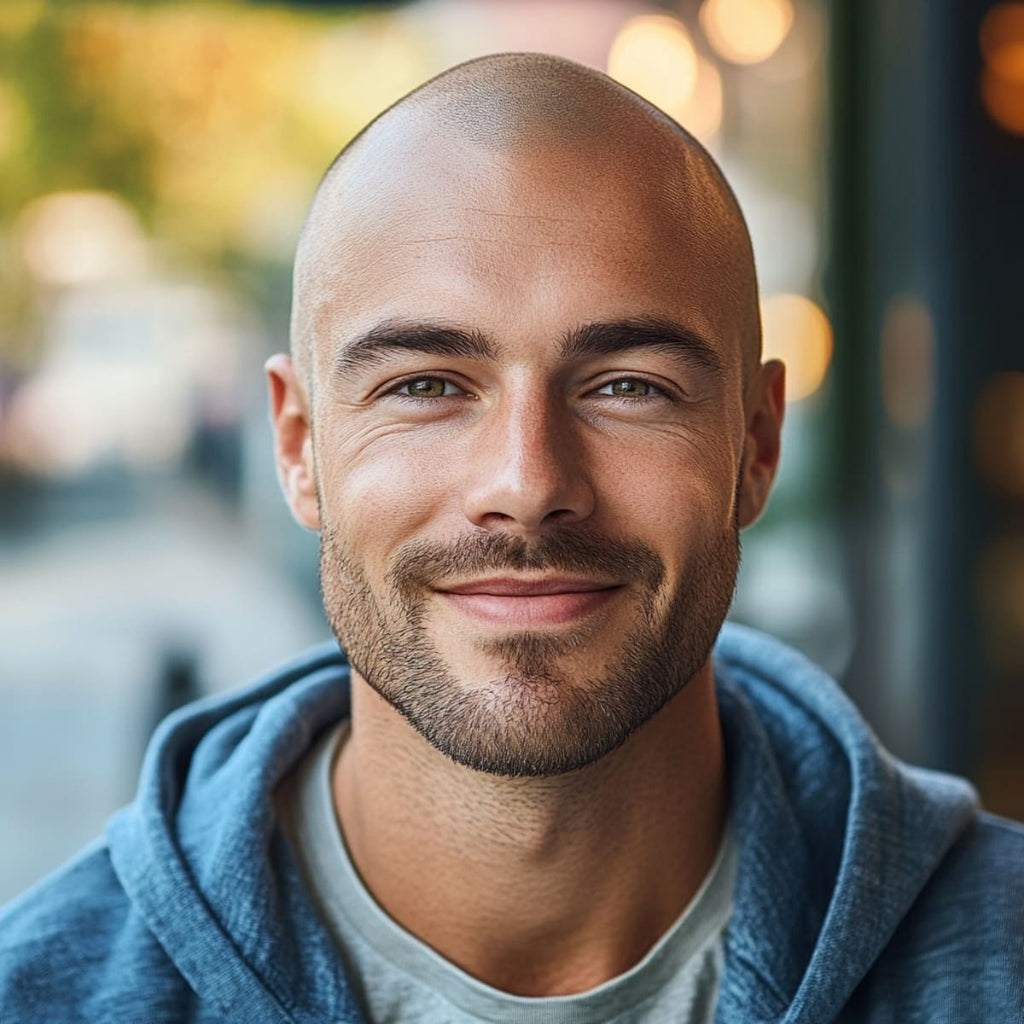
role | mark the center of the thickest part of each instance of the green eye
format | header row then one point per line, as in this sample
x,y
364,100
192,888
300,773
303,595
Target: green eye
x,y
428,387
628,387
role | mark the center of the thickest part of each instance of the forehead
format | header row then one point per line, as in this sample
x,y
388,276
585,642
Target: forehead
x,y
520,240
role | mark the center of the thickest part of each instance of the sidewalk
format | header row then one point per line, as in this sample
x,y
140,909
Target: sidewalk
x,y
89,616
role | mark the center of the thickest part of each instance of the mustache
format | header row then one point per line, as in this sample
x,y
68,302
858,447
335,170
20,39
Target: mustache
x,y
420,564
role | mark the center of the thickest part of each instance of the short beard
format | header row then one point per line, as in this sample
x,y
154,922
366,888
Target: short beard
x,y
532,720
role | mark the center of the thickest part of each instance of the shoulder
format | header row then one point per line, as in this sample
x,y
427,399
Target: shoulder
x,y
80,900
73,949
958,954
984,870
992,843
979,888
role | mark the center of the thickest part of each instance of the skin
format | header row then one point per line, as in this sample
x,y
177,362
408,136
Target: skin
x,y
521,228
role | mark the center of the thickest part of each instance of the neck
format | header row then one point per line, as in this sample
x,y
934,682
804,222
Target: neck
x,y
538,886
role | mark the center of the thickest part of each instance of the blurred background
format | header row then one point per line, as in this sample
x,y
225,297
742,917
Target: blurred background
x,y
156,160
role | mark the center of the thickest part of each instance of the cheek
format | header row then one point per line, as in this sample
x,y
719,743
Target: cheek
x,y
380,492
679,480
677,498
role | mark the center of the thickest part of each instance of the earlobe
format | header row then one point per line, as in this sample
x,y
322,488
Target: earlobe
x,y
765,407
293,440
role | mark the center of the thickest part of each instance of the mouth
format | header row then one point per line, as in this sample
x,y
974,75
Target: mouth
x,y
515,602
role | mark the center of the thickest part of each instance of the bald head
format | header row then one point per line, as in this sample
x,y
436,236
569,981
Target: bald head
x,y
543,133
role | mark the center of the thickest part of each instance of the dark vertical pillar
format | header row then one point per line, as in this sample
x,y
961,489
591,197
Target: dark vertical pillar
x,y
926,216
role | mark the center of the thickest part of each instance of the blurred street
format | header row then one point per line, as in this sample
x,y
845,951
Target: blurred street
x,y
95,616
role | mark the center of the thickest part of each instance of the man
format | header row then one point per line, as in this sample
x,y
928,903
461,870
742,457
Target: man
x,y
527,413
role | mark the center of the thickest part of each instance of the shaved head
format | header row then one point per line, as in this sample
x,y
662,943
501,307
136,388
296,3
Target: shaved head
x,y
526,341
473,129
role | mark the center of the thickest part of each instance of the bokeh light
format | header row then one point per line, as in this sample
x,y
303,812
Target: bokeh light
x,y
797,331
654,56
74,238
1002,78
702,113
1002,36
799,52
1000,590
1004,101
999,433
746,31
907,362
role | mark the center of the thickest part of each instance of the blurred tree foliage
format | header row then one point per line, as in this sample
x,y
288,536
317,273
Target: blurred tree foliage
x,y
212,121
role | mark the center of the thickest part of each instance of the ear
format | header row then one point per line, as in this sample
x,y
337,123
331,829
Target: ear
x,y
293,440
765,405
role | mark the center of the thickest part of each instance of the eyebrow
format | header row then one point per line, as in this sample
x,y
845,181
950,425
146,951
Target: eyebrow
x,y
609,337
384,339
593,339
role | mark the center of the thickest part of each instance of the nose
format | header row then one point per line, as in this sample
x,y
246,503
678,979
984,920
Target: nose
x,y
528,471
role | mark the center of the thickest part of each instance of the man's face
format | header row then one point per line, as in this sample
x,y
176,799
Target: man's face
x,y
527,432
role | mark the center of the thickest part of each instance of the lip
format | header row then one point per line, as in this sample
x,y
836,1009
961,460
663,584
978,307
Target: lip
x,y
515,586
511,601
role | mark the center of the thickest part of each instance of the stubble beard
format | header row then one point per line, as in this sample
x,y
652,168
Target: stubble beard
x,y
534,719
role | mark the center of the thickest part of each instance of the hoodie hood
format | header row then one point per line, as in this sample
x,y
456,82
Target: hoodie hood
x,y
200,855
837,836
836,840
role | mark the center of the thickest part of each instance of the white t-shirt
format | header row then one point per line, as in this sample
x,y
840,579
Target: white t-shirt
x,y
397,979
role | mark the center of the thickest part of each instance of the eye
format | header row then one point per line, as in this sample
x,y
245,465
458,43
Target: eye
x,y
629,387
428,387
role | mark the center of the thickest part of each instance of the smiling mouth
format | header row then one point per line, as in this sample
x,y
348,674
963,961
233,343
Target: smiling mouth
x,y
511,601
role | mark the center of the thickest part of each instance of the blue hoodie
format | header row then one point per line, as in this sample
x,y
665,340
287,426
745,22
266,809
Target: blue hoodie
x,y
866,890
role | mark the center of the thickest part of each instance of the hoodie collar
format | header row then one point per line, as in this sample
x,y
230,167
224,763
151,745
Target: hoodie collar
x,y
836,839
